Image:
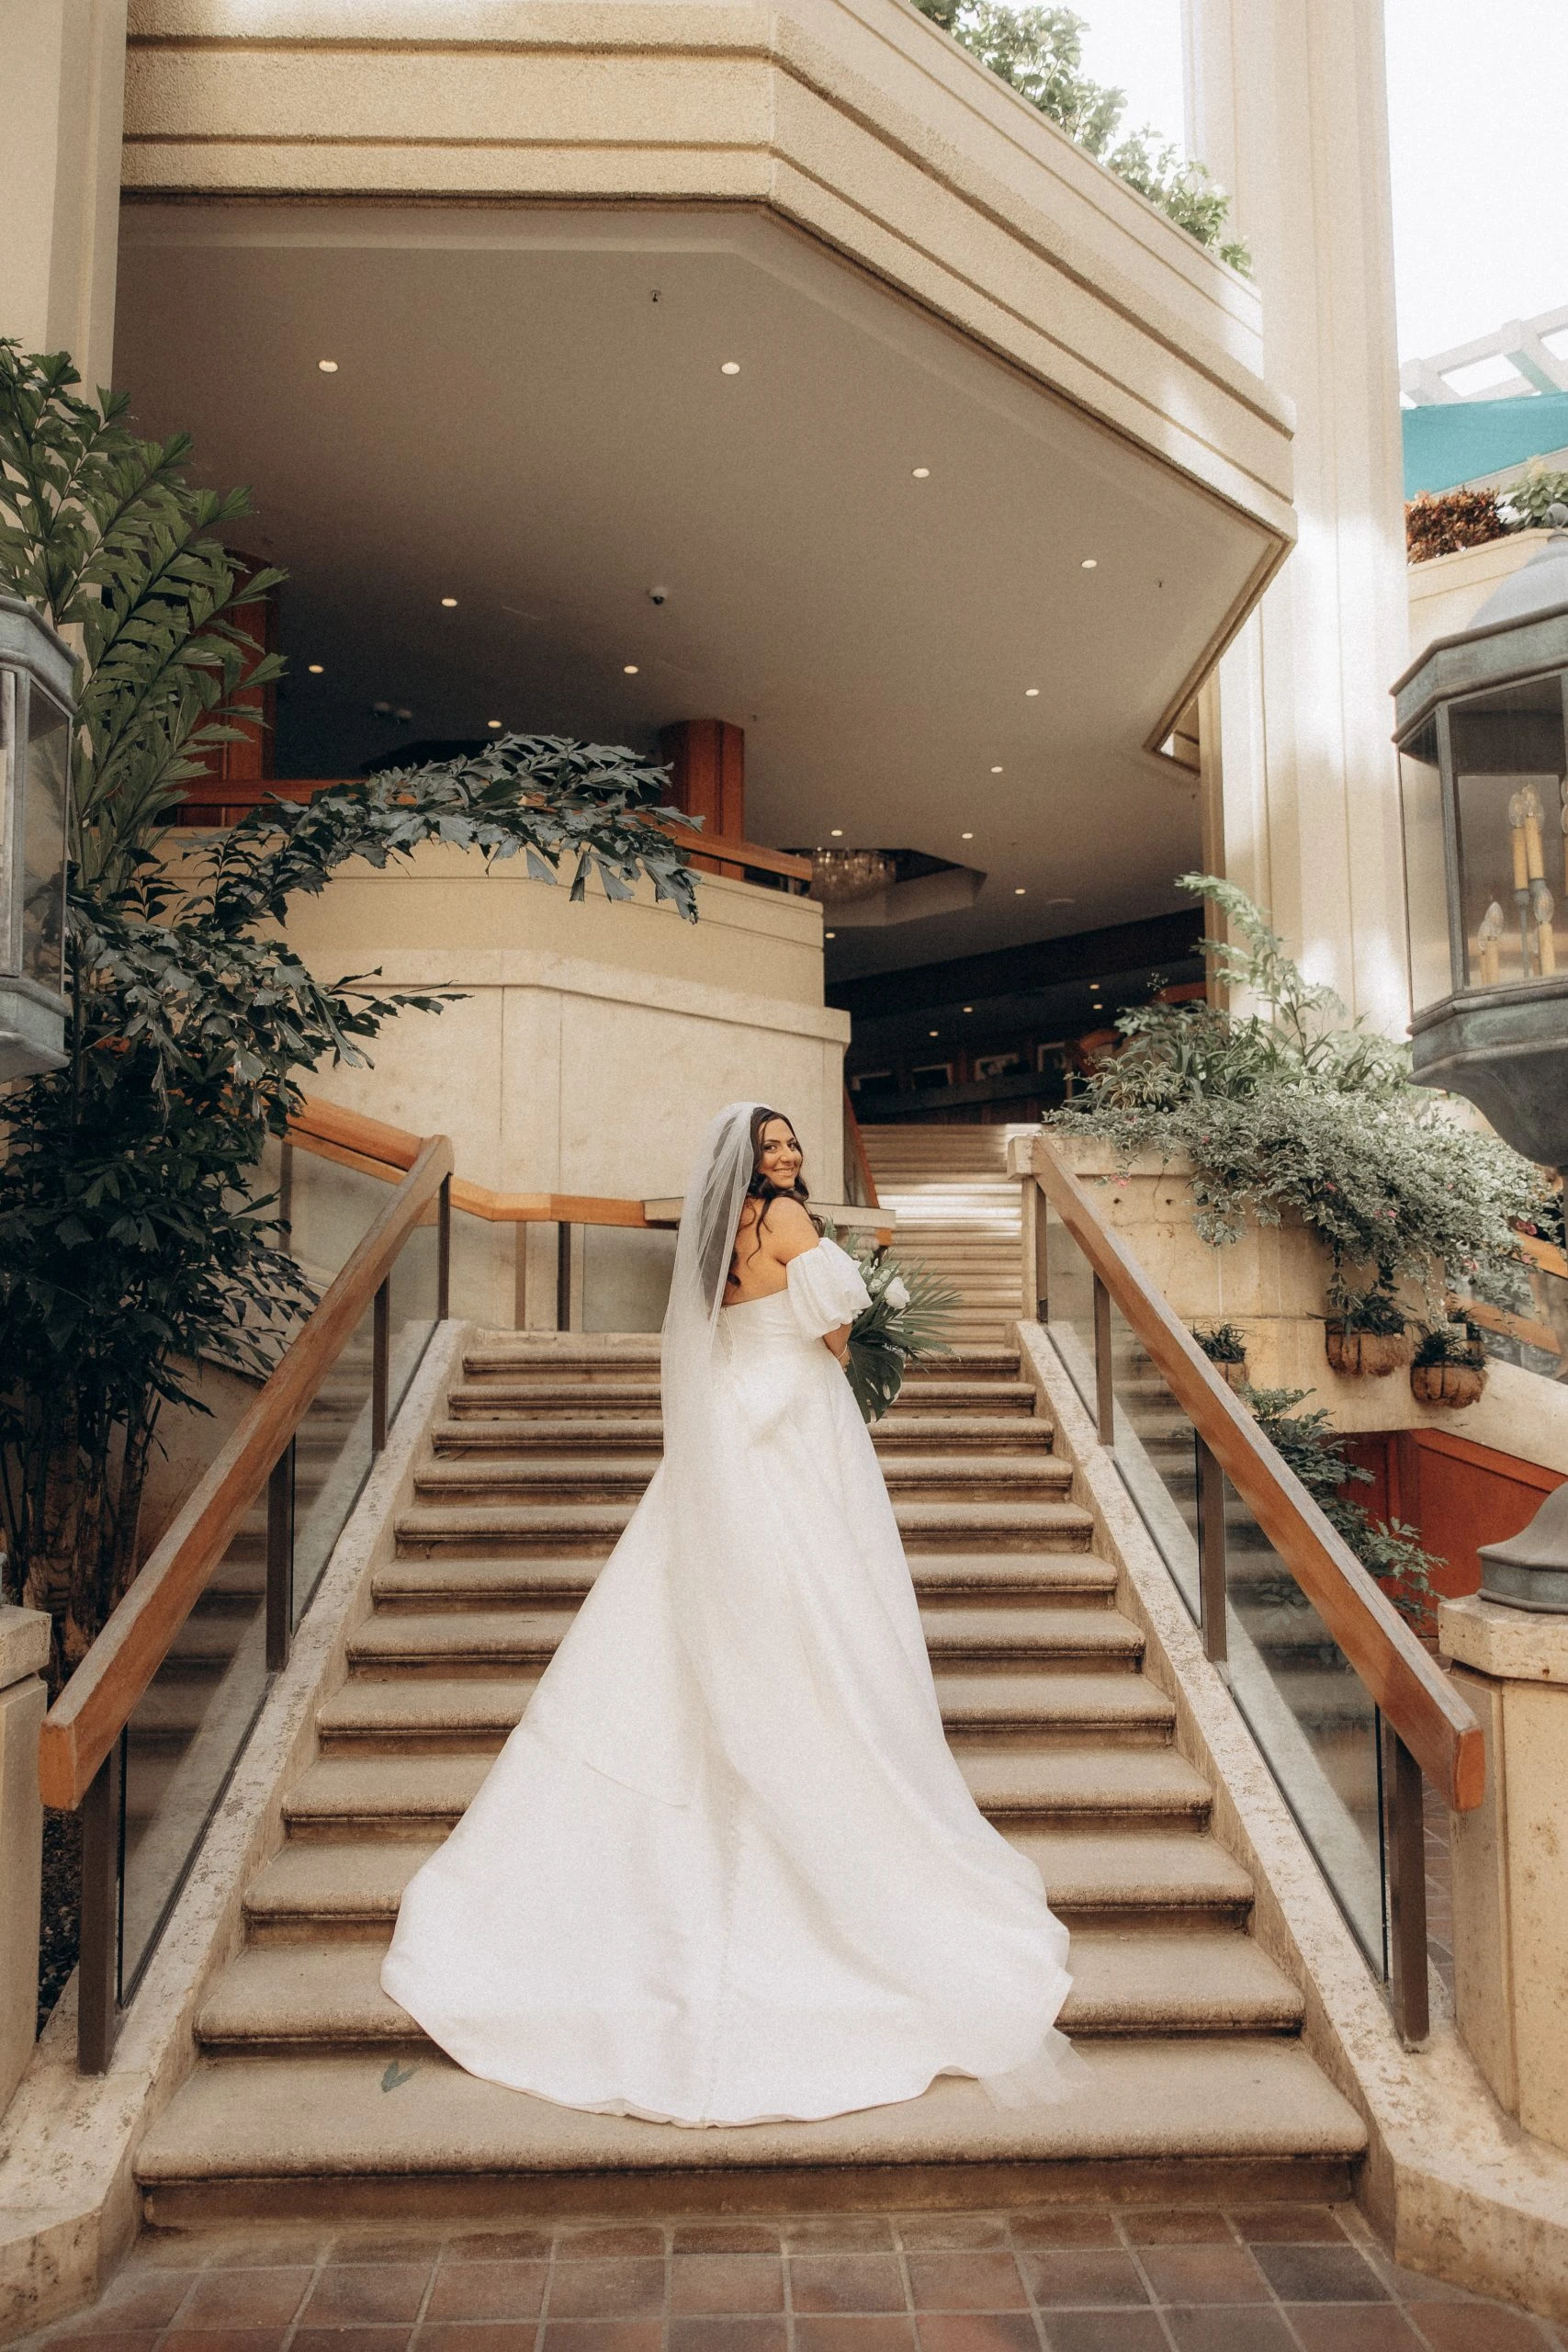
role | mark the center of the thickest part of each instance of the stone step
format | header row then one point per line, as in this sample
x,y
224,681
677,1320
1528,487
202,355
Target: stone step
x,y
319,2135
1016,1474
454,1580
594,1527
424,1795
551,1401
282,1997
317,1888
445,1641
524,1434
470,1712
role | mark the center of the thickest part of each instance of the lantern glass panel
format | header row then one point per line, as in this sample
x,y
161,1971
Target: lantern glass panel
x,y
43,841
1426,877
1509,788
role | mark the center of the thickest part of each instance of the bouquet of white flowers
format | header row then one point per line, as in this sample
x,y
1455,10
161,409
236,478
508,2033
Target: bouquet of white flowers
x,y
908,1320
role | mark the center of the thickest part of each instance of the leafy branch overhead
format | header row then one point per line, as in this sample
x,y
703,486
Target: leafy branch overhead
x,y
131,1239
1039,52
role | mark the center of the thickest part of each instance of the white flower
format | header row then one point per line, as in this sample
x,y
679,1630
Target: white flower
x,y
897,1294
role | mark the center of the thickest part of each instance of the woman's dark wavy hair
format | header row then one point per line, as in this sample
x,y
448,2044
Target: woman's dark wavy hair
x,y
759,1187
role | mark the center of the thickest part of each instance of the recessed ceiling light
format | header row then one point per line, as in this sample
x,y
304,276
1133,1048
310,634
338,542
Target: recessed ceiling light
x,y
493,722
1019,892
731,368
922,473
314,668
965,837
968,1008
995,771
628,668
1090,563
450,603
837,833
327,367
1030,693
829,934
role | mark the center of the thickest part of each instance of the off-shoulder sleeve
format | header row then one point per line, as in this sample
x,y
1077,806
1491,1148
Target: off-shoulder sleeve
x,y
825,1288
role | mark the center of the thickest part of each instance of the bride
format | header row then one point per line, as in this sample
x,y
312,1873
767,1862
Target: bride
x,y
726,1870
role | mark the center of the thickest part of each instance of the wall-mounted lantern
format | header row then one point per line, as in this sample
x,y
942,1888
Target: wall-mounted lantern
x,y
1482,726
35,772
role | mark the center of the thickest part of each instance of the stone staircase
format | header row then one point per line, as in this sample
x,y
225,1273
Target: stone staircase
x,y
314,2094
958,1213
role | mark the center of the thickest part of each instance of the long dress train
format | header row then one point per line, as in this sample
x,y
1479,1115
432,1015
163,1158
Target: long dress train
x,y
726,1870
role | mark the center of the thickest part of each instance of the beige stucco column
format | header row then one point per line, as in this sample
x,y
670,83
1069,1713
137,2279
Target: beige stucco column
x,y
1287,106
61,122
1510,1858
24,1653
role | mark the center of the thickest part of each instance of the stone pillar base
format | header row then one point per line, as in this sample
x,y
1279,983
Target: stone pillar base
x,y
24,1653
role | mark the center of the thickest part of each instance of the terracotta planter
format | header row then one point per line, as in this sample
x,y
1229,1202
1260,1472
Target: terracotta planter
x,y
1235,1374
1447,1383
1367,1355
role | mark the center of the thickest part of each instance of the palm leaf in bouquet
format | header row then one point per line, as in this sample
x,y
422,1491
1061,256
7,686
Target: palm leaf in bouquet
x,y
908,1320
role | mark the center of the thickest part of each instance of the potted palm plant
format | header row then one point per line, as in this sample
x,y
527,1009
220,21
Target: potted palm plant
x,y
1366,1333
1226,1350
1450,1365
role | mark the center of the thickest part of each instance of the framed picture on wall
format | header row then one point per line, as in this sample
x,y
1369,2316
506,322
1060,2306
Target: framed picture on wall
x,y
998,1065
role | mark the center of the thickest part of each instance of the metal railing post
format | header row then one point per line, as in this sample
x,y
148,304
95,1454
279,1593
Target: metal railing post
x,y
1211,1551
563,1277
1405,1838
97,1988
444,1253
380,1365
1042,1254
1104,1382
280,1560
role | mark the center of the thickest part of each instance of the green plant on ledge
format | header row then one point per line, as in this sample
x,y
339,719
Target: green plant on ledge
x,y
1038,52
130,1241
1224,1344
1292,1108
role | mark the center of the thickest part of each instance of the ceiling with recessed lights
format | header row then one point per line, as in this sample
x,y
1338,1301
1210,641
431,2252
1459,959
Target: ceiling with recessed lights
x,y
590,471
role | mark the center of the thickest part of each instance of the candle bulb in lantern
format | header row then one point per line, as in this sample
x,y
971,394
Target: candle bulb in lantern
x,y
1489,937
1542,909
1532,813
1566,833
1517,830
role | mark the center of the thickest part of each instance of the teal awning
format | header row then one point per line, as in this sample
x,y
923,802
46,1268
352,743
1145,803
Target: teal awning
x,y
1445,446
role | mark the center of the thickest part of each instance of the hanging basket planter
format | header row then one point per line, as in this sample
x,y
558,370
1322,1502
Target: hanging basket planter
x,y
1367,1355
1454,1384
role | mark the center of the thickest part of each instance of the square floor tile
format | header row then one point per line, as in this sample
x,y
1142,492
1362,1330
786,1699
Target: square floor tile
x,y
498,2291
839,2233
1288,2224
977,2332
108,2338
1104,2332
145,2298
1477,2328
597,2335
1351,2328
724,2238
260,2298
469,2335
846,2283
975,2281
1068,2228
360,2294
619,2287
943,2231
1234,2327
1072,2277
584,2240
838,2332
1320,2274
1203,2274
729,2335
332,2339
737,2284
499,2245
1179,2226
235,2339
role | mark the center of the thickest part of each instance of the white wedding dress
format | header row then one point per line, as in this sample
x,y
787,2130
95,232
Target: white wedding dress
x,y
726,1870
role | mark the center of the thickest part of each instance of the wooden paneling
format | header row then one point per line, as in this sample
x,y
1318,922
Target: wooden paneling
x,y
707,779
1459,1495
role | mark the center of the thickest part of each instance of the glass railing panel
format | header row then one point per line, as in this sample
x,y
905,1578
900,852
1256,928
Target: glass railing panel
x,y
413,1300
1157,1453
625,1276
329,1209
186,1733
1069,1302
332,1458
1313,1718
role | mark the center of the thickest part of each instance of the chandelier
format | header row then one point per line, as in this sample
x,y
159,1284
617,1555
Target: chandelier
x,y
840,874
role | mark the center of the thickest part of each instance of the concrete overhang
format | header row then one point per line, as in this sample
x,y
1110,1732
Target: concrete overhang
x,y
473,207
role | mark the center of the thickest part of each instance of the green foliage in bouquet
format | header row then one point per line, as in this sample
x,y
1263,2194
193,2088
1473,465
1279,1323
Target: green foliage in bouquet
x,y
909,1320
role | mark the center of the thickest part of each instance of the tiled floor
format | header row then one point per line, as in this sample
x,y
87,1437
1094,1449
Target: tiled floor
x,y
1278,2278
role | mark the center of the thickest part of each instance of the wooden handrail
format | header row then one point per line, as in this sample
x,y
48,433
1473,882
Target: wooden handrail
x,y
91,1711
220,796
857,1144
1433,1720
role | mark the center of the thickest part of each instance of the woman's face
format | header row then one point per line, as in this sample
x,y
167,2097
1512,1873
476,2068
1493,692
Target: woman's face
x,y
778,1154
